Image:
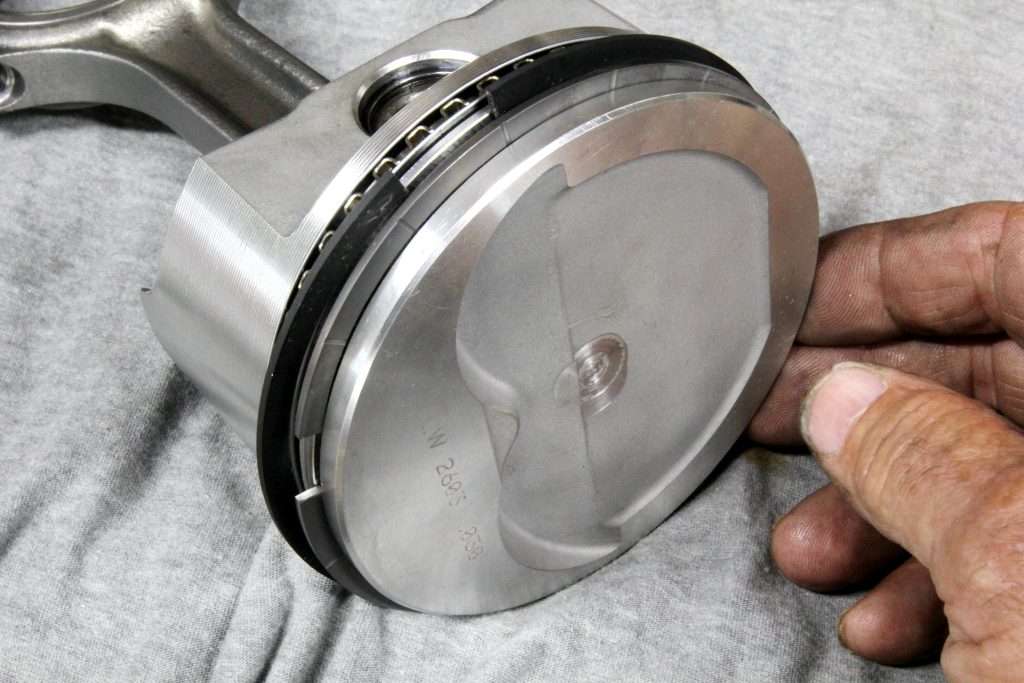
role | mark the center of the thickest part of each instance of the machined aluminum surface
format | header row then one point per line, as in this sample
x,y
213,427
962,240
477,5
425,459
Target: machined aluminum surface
x,y
413,412
233,257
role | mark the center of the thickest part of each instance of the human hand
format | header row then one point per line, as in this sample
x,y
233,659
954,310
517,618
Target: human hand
x,y
927,492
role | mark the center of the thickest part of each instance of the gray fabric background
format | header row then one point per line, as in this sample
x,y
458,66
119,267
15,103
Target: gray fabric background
x,y
134,543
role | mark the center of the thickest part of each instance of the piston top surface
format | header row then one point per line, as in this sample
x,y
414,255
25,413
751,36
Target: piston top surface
x,y
557,358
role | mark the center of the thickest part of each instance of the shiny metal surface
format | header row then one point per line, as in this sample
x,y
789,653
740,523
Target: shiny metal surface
x,y
446,396
231,262
395,85
596,375
311,406
563,319
193,64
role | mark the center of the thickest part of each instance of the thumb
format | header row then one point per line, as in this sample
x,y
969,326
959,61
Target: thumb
x,y
943,476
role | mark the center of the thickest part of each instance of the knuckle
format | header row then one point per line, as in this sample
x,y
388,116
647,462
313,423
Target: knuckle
x,y
911,446
918,459
988,546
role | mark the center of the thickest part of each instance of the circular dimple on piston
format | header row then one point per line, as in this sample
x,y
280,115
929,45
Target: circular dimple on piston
x,y
593,371
596,375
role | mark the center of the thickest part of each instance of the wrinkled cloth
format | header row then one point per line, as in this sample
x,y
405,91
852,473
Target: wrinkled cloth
x,y
134,541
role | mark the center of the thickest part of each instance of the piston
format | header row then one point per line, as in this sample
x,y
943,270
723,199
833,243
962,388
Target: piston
x,y
488,308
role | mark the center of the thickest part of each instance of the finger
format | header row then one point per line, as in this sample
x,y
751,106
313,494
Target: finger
x,y
941,475
952,272
824,545
899,622
989,370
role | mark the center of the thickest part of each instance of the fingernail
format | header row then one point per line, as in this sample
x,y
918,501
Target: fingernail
x,y
841,628
835,403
